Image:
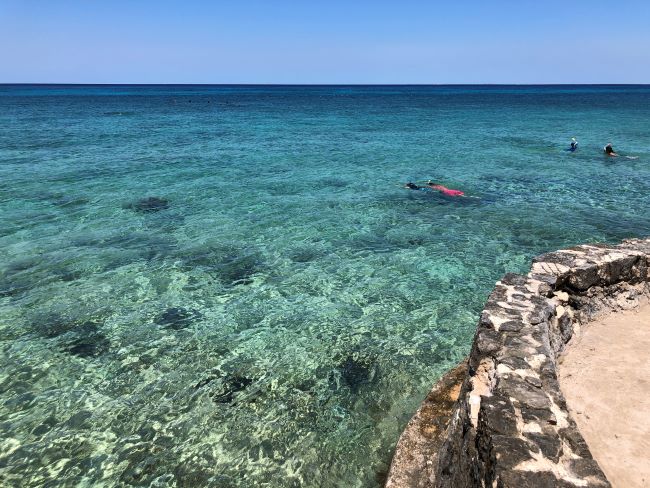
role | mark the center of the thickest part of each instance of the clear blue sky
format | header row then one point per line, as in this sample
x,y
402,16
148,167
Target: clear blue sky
x,y
251,41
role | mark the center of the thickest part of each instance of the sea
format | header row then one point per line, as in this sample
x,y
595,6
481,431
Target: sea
x,y
229,286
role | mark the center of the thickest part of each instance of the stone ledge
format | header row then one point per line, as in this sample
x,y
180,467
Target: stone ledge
x,y
510,427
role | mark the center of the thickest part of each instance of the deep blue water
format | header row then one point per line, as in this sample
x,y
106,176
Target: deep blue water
x,y
277,314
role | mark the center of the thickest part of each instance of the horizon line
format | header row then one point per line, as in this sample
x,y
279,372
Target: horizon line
x,y
317,84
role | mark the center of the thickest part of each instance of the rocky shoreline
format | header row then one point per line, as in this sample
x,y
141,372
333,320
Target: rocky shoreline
x,y
500,418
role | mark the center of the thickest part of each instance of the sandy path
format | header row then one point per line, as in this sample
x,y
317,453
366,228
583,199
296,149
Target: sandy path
x,y
605,378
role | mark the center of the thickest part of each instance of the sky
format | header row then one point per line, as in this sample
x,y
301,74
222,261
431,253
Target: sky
x,y
328,42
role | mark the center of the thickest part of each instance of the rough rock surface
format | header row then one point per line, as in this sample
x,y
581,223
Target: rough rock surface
x,y
415,458
510,427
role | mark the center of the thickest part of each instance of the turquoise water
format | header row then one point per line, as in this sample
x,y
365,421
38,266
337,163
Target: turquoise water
x,y
227,286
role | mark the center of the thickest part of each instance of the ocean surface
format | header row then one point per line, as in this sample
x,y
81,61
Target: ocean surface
x,y
229,286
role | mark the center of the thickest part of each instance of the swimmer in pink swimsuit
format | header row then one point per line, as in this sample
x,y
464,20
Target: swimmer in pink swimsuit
x,y
444,190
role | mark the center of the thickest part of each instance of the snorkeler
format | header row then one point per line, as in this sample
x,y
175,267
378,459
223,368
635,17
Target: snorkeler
x,y
437,187
413,186
574,145
444,190
609,151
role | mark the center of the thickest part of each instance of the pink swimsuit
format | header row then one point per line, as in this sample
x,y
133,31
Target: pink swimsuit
x,y
447,191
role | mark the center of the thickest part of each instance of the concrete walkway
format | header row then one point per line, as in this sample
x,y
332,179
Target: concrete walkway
x,y
605,377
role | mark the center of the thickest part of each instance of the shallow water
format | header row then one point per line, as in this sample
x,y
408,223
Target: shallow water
x,y
226,286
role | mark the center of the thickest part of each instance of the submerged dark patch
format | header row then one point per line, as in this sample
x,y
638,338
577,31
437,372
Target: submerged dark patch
x,y
70,275
45,426
123,247
57,325
67,201
416,241
357,370
20,265
333,183
91,346
12,289
142,465
230,387
240,270
232,266
26,274
304,255
188,476
205,381
374,242
78,420
177,318
82,339
149,205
